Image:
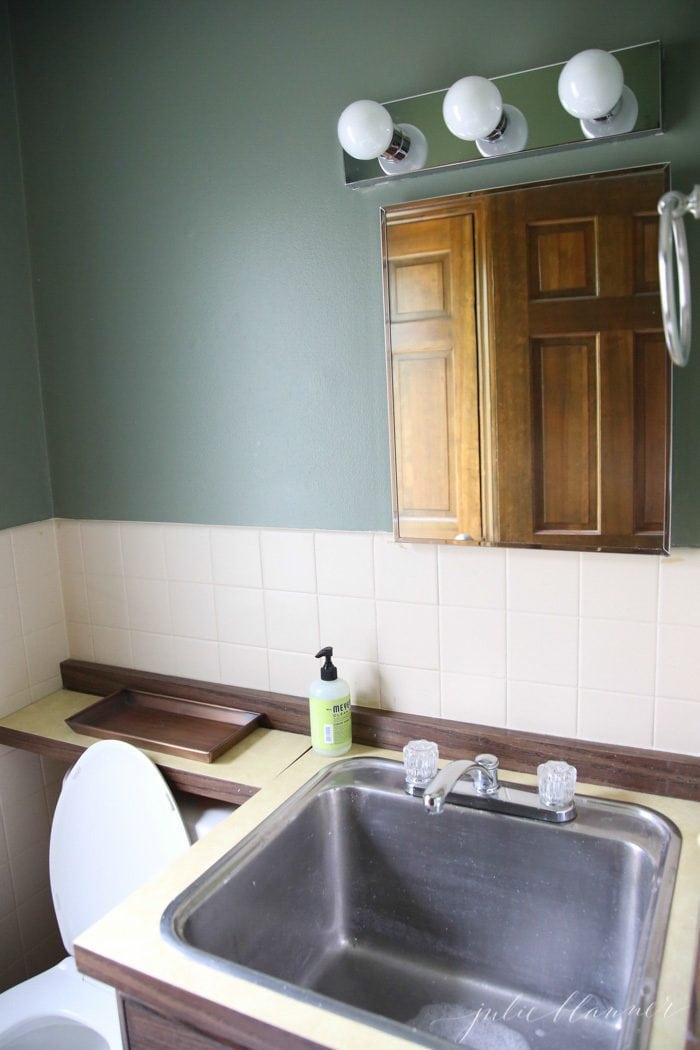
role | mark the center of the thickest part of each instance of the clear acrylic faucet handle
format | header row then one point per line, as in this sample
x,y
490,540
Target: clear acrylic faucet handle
x,y
420,759
556,782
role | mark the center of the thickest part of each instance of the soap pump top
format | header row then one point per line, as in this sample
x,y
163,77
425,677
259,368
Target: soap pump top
x,y
329,672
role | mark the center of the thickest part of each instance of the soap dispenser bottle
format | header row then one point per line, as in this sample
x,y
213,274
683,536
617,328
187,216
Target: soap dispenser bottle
x,y
329,710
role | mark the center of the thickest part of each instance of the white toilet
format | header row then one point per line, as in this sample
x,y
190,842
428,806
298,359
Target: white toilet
x,y
116,825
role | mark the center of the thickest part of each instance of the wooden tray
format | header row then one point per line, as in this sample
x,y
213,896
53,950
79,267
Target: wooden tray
x,y
188,728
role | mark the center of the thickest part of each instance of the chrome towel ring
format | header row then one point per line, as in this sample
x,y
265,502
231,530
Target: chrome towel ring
x,y
672,207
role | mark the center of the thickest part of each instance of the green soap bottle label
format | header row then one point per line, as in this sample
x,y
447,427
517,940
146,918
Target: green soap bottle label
x,y
331,725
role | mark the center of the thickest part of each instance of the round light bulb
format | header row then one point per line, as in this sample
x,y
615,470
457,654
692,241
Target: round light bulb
x,y
472,108
365,129
590,84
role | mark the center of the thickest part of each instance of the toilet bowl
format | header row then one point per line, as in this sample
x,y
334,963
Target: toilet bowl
x,y
116,825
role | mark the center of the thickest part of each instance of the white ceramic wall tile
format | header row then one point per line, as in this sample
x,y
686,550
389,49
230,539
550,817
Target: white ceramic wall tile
x,y
407,635
678,671
245,666
52,791
102,548
69,545
679,588
192,609
42,689
10,942
618,656
474,698
196,658
292,622
543,582
349,625
363,679
616,718
107,601
236,557
32,643
35,915
10,622
14,675
26,822
80,645
240,615
20,775
112,645
543,648
153,652
40,601
15,701
8,904
4,854
34,548
75,601
473,641
345,564
677,726
413,691
541,708
52,770
47,953
291,672
148,605
30,871
472,576
143,550
619,586
16,972
288,560
188,553
404,572
45,650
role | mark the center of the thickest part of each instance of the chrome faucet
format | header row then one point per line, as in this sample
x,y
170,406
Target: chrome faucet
x,y
552,800
483,771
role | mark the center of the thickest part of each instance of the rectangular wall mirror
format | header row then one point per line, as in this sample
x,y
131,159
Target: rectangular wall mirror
x,y
529,385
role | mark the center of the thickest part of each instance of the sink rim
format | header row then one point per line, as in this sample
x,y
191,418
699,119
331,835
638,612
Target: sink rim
x,y
653,934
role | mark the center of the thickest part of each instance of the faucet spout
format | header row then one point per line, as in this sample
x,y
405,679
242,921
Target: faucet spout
x,y
482,770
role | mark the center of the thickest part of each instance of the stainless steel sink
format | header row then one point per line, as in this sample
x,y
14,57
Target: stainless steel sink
x,y
473,928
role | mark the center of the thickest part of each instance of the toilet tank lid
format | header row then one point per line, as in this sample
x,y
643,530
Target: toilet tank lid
x,y
116,825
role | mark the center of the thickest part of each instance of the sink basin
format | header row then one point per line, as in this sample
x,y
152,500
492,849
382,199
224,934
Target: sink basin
x,y
472,928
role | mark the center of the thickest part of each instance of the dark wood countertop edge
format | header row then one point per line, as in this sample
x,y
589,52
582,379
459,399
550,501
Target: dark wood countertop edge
x,y
636,769
201,784
211,1018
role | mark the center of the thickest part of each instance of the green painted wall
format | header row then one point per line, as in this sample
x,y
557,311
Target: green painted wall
x,y
24,480
209,292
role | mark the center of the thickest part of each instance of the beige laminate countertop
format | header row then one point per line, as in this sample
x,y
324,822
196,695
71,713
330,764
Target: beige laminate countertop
x,y
128,939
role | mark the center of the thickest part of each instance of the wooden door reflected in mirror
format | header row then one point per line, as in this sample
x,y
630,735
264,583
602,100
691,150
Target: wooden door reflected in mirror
x,y
529,387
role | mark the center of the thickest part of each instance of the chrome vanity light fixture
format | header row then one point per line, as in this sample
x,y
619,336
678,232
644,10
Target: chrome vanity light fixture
x,y
366,131
511,115
592,87
473,110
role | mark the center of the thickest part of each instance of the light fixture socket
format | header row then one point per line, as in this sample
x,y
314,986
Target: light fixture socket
x,y
412,157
